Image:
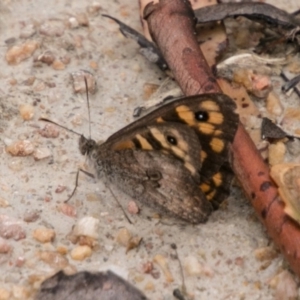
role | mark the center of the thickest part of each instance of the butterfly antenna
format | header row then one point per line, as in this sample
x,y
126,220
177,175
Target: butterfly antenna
x,y
88,106
61,126
119,204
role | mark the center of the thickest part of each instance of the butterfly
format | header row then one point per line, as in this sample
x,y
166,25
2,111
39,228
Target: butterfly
x,y
175,159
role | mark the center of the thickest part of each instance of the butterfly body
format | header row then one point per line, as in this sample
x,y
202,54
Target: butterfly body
x,y
164,158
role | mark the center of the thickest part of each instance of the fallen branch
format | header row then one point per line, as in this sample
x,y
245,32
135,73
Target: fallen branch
x,y
171,25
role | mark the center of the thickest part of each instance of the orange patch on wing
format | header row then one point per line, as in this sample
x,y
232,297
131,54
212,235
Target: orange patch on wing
x,y
123,145
217,179
217,145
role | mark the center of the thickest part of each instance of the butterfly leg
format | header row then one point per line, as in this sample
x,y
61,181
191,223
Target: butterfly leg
x,y
76,182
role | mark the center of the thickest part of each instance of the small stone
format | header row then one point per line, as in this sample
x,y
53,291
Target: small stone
x,y
41,153
192,266
60,189
82,19
54,259
31,215
147,267
47,57
94,65
26,111
265,253
3,202
79,82
44,235
87,226
133,208
5,247
68,210
20,148
73,23
285,286
58,65
16,54
62,250
11,228
123,236
49,131
81,252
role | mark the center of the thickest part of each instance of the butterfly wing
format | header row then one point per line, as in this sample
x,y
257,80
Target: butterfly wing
x,y
157,165
214,121
211,116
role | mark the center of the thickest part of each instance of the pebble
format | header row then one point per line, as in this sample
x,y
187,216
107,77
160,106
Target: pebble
x,y
3,203
5,247
192,266
49,131
26,111
67,210
11,228
87,226
44,235
46,57
133,207
31,215
123,236
79,82
20,148
16,54
82,19
81,252
41,153
54,259
285,286
265,253
58,65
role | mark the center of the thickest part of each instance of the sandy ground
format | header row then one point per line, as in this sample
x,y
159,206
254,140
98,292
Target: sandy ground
x,y
223,251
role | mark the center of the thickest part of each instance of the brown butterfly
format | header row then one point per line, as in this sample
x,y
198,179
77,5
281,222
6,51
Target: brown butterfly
x,y
175,159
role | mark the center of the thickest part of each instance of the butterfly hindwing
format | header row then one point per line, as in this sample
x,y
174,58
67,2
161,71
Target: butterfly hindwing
x,y
158,165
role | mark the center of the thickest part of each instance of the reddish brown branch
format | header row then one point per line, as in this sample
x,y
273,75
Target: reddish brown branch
x,y
172,27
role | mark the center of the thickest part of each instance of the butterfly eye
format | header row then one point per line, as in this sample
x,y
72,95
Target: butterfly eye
x,y
201,116
172,140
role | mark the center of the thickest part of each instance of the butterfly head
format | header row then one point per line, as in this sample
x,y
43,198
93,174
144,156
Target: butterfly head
x,y
86,145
